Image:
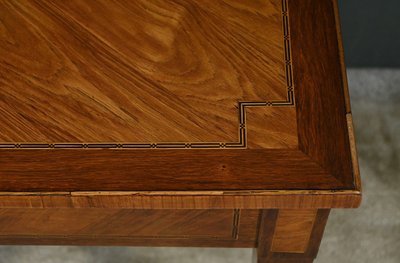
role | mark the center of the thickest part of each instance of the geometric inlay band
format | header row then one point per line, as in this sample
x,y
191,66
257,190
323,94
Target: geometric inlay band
x,y
240,144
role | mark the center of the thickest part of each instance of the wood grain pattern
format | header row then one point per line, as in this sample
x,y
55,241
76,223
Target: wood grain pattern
x,y
169,123
123,241
162,170
341,56
293,230
266,231
265,245
354,155
121,226
322,125
142,72
178,71
184,200
317,232
119,223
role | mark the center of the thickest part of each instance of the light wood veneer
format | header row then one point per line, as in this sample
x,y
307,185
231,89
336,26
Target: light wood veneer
x,y
221,123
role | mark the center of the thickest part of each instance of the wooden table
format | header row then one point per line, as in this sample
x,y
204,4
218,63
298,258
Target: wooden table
x,y
220,123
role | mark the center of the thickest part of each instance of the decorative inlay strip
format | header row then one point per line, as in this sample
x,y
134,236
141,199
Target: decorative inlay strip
x,y
240,144
236,219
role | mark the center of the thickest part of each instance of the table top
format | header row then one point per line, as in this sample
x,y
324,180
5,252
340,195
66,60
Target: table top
x,y
174,96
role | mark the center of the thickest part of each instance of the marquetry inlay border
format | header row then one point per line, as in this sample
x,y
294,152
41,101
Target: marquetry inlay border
x,y
242,106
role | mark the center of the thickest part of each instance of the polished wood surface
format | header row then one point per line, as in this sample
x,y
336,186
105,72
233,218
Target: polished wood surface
x,y
293,230
222,123
270,230
175,96
157,170
182,199
265,236
126,226
321,120
143,73
219,228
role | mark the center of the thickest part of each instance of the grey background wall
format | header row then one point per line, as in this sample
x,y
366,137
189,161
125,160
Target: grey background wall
x,y
371,32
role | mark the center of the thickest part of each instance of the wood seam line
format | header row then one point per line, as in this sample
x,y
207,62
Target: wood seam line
x,y
186,193
125,237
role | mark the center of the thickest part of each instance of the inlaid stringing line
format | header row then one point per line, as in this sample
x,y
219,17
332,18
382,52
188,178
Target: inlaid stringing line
x,y
240,144
236,220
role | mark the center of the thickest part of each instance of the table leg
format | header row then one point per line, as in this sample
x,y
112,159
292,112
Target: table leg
x,y
290,236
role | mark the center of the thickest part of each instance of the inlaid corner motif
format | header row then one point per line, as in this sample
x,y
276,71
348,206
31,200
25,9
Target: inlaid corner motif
x,y
241,143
